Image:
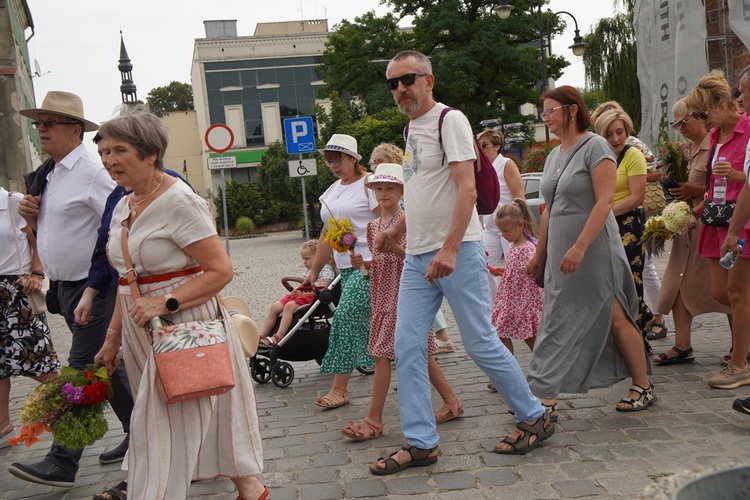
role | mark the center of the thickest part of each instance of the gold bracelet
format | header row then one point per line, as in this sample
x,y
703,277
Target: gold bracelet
x,y
113,331
576,251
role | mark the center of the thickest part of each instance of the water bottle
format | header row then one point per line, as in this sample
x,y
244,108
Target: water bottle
x,y
727,262
720,188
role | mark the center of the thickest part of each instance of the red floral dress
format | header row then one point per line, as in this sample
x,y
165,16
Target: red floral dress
x,y
518,302
385,275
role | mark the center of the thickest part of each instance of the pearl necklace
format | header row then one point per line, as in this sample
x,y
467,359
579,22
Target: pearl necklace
x,y
135,204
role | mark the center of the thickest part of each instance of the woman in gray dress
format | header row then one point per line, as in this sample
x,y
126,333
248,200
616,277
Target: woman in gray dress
x,y
588,288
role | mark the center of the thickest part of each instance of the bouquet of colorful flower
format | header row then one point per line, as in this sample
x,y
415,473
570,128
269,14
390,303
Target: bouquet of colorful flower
x,y
70,406
673,159
341,237
655,235
678,217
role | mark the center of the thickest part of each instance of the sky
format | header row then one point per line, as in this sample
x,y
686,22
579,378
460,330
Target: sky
x,y
77,44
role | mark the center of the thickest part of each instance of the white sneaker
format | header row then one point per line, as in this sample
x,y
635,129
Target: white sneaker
x,y
444,347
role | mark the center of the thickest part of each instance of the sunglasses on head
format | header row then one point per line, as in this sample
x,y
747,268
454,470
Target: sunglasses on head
x,y
407,79
678,124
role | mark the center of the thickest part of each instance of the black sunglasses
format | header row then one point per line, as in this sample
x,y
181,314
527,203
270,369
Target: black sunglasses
x,y
407,79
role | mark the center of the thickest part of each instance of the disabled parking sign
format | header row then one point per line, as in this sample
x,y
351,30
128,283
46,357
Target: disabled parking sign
x,y
300,135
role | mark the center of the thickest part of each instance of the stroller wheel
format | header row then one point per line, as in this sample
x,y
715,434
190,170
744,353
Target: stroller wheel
x,y
282,374
261,370
366,370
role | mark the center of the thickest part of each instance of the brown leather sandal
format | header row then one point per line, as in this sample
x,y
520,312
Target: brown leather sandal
x,y
448,412
364,431
541,429
419,458
333,400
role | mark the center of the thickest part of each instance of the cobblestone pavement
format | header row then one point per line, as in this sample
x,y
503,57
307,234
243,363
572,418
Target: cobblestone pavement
x,y
596,451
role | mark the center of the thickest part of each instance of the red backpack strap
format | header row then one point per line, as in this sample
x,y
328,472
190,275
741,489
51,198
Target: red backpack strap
x,y
440,123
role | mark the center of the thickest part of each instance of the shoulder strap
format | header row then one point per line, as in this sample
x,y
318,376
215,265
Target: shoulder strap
x,y
562,171
622,153
15,235
130,274
709,166
440,126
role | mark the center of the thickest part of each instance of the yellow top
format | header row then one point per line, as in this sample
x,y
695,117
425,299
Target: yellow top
x,y
633,163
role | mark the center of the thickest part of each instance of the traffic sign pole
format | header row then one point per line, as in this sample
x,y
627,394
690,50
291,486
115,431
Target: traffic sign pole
x,y
304,206
219,138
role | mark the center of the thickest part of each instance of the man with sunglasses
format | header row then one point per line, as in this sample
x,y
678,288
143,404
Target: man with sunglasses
x,y
65,208
444,258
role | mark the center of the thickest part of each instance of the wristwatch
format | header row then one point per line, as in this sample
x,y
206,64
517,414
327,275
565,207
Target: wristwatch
x,y
172,303
38,273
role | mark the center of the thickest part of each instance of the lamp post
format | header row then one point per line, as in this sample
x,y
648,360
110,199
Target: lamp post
x,y
503,11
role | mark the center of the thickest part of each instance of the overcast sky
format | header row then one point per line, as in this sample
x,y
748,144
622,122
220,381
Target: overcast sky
x,y
77,44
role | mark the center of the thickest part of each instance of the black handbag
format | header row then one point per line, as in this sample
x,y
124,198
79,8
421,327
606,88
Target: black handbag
x,y
714,214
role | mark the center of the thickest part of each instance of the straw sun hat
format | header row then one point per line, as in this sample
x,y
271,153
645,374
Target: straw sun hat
x,y
57,102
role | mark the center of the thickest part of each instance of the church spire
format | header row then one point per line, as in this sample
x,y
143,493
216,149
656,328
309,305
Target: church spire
x,y
127,88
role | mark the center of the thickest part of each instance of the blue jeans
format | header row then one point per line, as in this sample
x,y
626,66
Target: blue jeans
x,y
468,296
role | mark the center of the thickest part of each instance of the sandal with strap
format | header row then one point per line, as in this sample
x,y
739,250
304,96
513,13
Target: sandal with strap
x,y
660,334
364,431
448,412
333,400
117,492
541,429
270,341
419,458
683,356
5,434
551,409
646,398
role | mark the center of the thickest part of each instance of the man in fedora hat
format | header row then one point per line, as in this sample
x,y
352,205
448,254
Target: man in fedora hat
x,y
445,258
65,205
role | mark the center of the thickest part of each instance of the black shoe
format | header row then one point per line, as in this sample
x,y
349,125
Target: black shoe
x,y
115,454
742,405
43,472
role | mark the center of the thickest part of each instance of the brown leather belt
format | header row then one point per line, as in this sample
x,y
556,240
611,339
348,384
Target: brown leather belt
x,y
155,278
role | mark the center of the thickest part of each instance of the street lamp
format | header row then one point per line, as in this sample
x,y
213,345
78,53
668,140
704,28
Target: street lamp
x,y
579,46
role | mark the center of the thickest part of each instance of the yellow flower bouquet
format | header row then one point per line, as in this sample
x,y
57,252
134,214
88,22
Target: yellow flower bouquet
x,y
655,235
341,237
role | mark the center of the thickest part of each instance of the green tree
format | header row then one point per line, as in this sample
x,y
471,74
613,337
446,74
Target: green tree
x,y
483,65
611,60
174,97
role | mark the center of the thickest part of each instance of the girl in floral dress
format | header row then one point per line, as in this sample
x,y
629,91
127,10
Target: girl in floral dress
x,y
385,274
518,302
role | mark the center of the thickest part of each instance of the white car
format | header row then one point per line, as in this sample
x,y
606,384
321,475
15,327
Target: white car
x,y
531,183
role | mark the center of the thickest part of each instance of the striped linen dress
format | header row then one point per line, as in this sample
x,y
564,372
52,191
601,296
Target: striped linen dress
x,y
204,438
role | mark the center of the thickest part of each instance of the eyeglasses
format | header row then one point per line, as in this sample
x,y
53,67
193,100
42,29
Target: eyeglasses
x,y
484,144
547,114
334,163
407,79
677,125
48,124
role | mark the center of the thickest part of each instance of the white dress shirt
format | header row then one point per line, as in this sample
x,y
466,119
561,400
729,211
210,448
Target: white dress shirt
x,y
70,214
8,254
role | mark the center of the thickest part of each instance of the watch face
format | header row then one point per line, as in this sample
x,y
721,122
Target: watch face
x,y
173,304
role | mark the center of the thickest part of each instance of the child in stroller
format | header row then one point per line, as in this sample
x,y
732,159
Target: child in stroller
x,y
300,296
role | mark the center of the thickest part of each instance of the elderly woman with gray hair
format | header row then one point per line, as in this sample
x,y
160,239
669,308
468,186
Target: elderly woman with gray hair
x,y
181,265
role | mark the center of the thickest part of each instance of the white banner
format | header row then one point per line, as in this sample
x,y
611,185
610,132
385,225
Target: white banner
x,y
671,44
739,19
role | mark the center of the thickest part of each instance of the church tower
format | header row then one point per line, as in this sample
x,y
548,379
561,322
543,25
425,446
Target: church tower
x,y
127,89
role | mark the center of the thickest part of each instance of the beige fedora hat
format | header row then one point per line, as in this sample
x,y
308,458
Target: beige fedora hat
x,y
343,144
57,102
387,172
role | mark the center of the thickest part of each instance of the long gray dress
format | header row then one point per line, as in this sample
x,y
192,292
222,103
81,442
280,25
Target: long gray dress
x,y
574,350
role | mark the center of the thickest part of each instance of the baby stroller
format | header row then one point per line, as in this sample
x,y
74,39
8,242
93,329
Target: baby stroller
x,y
306,340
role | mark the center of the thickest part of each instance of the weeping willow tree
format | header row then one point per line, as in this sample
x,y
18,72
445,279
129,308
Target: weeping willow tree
x,y
611,59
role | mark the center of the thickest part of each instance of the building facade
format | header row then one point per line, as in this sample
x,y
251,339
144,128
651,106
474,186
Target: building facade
x,y
19,142
252,83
